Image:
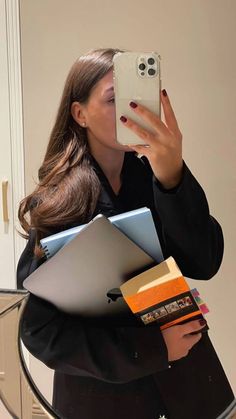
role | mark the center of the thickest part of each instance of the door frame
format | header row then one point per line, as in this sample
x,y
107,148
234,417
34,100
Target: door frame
x,y
12,20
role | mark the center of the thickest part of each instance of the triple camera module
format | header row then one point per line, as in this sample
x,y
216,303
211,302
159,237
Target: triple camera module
x,y
147,66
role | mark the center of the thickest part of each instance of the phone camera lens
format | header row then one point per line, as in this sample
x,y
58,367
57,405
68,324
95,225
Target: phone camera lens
x,y
151,71
141,66
151,61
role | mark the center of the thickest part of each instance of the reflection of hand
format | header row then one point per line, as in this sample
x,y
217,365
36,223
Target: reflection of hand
x,y
179,339
165,144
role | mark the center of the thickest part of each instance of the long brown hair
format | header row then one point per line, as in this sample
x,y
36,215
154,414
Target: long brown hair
x,y
68,187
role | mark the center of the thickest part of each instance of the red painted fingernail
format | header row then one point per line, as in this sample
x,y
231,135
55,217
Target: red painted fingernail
x,y
123,119
133,105
202,322
164,92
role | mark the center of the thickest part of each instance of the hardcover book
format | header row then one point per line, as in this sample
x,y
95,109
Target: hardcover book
x,y
162,294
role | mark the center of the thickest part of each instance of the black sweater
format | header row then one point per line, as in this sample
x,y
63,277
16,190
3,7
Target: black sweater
x,y
86,354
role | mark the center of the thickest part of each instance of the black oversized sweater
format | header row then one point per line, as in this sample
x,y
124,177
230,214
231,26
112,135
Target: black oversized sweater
x,y
114,366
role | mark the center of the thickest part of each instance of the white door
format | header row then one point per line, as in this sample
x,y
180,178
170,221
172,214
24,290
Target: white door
x,y
11,142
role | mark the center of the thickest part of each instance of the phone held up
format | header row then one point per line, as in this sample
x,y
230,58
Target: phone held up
x,y
136,78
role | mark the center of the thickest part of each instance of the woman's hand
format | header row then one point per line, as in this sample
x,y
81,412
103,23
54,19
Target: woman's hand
x,y
165,144
179,339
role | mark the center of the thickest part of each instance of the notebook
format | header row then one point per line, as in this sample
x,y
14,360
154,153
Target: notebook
x,y
138,225
84,276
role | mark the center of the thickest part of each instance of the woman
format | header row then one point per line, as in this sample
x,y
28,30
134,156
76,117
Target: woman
x,y
119,367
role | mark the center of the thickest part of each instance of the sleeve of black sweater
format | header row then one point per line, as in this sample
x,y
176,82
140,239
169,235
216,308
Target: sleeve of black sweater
x,y
190,234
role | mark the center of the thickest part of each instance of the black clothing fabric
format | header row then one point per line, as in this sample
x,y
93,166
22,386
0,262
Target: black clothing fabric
x,y
119,368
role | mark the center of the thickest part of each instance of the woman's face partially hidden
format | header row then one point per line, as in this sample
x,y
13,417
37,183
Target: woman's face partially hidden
x,y
99,114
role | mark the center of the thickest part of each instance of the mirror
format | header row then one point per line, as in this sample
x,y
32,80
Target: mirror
x,y
20,397
196,40
18,392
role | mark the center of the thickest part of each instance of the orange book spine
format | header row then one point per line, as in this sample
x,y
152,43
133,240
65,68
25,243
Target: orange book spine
x,y
157,294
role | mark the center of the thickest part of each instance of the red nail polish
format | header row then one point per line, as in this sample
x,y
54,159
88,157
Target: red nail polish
x,y
202,322
123,119
133,105
164,92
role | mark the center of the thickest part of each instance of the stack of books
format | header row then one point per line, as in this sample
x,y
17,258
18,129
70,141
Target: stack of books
x,y
111,266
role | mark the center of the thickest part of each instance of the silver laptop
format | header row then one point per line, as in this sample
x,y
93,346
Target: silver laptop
x,y
84,276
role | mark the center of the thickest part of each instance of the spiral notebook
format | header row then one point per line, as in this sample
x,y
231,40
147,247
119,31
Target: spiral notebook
x,y
137,225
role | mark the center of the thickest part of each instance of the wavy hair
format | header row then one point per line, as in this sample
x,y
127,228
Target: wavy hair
x,y
68,187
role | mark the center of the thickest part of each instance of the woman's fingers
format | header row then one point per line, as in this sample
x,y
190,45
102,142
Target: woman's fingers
x,y
150,118
163,142
193,326
142,133
192,339
157,126
179,340
169,114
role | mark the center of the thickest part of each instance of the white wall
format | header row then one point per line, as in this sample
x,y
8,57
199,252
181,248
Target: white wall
x,y
196,39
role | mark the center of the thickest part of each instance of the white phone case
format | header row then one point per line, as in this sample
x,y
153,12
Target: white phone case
x,y
136,78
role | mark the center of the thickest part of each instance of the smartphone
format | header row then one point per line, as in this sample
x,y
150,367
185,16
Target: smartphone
x,y
136,78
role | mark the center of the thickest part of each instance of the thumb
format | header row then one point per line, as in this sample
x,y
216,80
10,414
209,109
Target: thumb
x,y
193,326
192,339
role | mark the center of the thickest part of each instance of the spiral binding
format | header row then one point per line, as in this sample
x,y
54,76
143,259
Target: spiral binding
x,y
46,251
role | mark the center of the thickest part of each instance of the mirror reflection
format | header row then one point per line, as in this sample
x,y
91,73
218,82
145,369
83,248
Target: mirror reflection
x,y
18,393
103,351
192,38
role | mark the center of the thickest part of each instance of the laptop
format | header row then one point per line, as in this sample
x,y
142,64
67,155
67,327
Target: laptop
x,y
84,276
